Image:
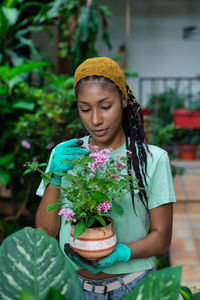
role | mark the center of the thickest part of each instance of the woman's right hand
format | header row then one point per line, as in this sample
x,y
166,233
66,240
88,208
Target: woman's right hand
x,y
67,150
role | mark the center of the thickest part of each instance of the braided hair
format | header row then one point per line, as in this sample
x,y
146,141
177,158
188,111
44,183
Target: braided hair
x,y
133,125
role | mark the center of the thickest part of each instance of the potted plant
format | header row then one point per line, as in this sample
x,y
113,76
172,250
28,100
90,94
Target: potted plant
x,y
96,186
188,141
188,117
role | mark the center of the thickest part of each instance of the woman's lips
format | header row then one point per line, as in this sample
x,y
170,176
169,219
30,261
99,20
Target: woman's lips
x,y
100,132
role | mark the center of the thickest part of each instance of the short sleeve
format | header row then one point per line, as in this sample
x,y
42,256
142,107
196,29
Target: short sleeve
x,y
160,189
41,188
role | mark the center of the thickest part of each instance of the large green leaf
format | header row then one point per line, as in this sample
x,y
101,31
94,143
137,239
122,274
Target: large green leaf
x,y
32,261
160,285
11,15
7,73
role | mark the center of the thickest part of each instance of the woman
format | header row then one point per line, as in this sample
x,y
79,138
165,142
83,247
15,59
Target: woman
x,y
113,118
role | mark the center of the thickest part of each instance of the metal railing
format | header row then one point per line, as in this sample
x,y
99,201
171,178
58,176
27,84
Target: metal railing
x,y
149,86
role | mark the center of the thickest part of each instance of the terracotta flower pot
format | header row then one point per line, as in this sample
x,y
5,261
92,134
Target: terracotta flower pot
x,y
95,242
187,152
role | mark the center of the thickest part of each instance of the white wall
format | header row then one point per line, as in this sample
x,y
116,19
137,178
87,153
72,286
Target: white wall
x,y
156,46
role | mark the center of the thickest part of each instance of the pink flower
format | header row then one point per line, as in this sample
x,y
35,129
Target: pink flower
x,y
67,213
50,145
118,156
105,206
35,158
26,144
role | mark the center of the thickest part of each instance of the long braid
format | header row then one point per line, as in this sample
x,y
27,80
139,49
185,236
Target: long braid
x,y
134,128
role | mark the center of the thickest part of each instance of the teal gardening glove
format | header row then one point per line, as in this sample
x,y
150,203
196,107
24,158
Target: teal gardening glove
x,y
121,253
67,150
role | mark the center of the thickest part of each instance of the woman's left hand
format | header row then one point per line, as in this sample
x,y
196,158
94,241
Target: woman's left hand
x,y
121,253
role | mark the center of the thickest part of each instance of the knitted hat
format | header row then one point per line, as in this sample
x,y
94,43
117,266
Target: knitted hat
x,y
102,66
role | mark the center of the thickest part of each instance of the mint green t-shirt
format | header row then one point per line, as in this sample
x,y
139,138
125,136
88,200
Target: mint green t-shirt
x,y
133,226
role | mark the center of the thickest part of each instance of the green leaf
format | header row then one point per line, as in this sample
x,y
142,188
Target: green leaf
x,y
90,222
130,73
20,104
196,296
45,179
11,15
117,208
4,160
79,229
27,171
3,91
101,220
105,10
98,196
27,296
4,177
35,263
7,73
162,284
186,293
53,206
54,294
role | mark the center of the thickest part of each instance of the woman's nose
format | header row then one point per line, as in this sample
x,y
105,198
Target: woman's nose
x,y
97,118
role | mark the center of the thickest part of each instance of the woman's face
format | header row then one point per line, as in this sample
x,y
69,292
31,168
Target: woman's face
x,y
100,110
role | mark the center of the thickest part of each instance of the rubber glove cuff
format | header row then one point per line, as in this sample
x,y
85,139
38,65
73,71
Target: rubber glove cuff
x,y
123,252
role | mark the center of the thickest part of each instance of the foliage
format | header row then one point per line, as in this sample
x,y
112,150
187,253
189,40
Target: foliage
x,y
34,263
12,105
78,24
163,105
163,284
186,136
16,24
94,187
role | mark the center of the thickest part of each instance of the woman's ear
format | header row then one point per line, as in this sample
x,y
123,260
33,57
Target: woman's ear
x,y
124,103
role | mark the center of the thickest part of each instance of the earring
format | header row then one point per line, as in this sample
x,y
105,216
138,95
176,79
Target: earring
x,y
125,105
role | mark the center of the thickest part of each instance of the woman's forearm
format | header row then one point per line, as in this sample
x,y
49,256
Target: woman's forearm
x,y
159,238
153,244
49,221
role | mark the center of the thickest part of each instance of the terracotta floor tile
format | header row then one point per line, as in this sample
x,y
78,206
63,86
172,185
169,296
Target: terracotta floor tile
x,y
184,258
183,245
177,244
193,207
197,242
196,232
181,233
191,273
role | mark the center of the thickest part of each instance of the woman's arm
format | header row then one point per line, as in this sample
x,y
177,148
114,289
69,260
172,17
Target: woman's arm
x,y
159,238
48,220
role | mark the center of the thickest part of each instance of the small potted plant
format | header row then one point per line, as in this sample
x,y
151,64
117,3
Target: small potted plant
x,y
188,141
188,117
97,184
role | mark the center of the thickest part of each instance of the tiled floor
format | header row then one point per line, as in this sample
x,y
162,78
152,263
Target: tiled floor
x,y
185,248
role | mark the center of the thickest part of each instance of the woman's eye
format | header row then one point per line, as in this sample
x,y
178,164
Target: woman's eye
x,y
85,110
106,107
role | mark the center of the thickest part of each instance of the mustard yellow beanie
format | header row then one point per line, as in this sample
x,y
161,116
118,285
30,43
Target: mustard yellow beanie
x,y
102,66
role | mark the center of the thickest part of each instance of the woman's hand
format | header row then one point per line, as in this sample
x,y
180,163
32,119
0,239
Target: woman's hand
x,y
67,150
120,253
